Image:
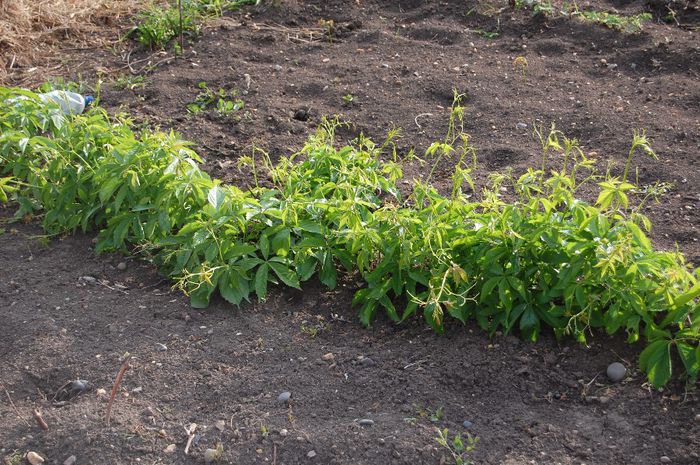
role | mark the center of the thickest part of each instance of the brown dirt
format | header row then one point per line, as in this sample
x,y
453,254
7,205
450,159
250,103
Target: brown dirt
x,y
548,402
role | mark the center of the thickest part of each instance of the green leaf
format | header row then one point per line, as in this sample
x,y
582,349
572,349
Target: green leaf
x,y
216,197
655,361
261,281
328,275
288,276
530,325
687,296
689,356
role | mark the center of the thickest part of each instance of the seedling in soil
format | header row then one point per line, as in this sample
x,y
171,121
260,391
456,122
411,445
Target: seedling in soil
x,y
457,448
128,81
539,7
226,103
348,99
522,63
327,25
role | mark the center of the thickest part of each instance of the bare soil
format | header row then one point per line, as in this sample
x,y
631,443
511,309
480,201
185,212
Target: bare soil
x,y
223,368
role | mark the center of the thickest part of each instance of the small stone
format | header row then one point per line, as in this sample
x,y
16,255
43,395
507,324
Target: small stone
x,y
284,432
278,68
70,460
211,455
170,449
329,357
616,372
88,279
467,424
161,347
521,126
220,425
121,266
367,362
311,454
101,392
34,458
284,397
697,418
665,459
365,422
301,115
138,389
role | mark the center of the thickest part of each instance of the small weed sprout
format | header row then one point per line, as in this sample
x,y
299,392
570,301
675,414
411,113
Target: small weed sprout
x,y
457,448
128,81
225,103
348,99
521,62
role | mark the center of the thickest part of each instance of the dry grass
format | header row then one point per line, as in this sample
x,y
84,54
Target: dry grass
x,y
32,31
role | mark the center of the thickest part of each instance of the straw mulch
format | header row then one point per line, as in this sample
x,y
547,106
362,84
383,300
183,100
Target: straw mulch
x,y
34,32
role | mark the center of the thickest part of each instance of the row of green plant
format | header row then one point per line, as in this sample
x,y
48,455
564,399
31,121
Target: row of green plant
x,y
540,258
158,25
622,23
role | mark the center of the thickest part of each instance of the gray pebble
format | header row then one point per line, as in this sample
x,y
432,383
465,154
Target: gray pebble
x,y
284,397
616,372
467,424
521,126
121,266
70,460
367,362
161,347
278,68
365,422
697,418
311,454
664,459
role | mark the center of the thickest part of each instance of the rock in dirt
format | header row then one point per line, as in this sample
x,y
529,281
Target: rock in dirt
x,y
311,454
284,397
329,357
220,425
365,422
521,126
467,424
367,362
665,459
170,449
697,418
212,455
34,458
616,372
70,460
301,115
284,432
121,266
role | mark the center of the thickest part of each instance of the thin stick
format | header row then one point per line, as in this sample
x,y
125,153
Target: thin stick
x,y
14,407
190,431
40,420
117,382
274,454
182,46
